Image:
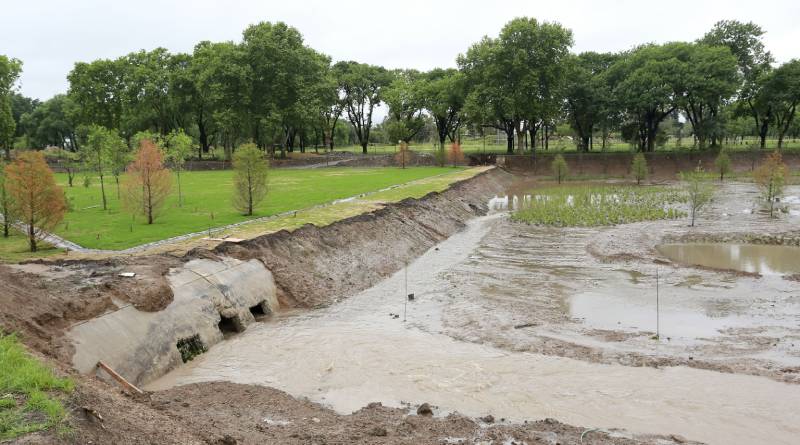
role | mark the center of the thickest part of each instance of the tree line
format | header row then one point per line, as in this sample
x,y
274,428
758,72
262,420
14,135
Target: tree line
x,y
273,90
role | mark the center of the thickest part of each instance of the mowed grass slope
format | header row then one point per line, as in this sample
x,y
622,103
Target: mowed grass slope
x,y
207,202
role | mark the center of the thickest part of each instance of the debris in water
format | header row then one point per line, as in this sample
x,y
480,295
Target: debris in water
x,y
425,410
127,274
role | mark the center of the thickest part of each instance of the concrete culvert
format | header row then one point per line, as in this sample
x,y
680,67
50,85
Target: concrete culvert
x,y
260,310
230,325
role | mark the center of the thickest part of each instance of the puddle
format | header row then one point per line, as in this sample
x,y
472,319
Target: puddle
x,y
753,258
353,353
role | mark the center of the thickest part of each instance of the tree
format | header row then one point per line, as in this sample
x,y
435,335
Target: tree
x,y
754,63
443,95
98,91
249,179
404,96
559,167
722,164
707,79
179,147
588,96
644,86
5,202
698,190
770,177
403,155
639,168
104,150
147,183
783,91
10,69
517,78
456,155
362,89
36,199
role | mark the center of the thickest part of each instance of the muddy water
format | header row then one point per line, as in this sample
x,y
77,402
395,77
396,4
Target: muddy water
x,y
755,258
355,352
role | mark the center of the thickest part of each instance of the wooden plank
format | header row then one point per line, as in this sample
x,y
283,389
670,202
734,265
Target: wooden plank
x,y
121,380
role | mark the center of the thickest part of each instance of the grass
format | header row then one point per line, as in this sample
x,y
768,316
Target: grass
x,y
598,205
15,248
207,202
29,392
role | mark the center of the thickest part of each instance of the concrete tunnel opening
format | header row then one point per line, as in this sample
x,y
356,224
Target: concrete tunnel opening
x,y
230,325
260,310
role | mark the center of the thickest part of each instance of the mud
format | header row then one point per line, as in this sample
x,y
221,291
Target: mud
x,y
360,350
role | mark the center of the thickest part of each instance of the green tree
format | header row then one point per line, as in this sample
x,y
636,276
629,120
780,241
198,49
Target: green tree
x,y
179,148
783,91
559,167
644,85
515,80
699,191
224,77
589,103
10,70
362,88
745,41
102,152
706,79
722,164
443,94
98,91
250,178
639,168
404,96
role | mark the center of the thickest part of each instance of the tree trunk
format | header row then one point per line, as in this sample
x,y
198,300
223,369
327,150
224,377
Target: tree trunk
x,y
32,236
364,145
510,141
103,192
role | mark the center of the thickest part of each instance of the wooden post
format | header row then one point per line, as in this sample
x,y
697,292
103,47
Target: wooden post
x,y
121,380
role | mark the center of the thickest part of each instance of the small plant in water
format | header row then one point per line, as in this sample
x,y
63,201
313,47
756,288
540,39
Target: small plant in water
x,y
722,164
639,168
770,177
560,169
599,205
698,189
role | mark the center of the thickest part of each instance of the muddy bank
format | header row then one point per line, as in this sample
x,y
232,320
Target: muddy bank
x,y
315,266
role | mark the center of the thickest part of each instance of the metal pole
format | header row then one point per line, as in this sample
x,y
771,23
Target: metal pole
x,y
405,296
658,309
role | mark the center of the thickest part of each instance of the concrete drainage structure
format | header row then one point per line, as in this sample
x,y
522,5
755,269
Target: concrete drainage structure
x,y
212,300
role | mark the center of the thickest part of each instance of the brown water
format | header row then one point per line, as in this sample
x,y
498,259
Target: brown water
x,y
754,258
354,353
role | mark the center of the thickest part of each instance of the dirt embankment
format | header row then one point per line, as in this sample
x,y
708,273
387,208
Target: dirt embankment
x,y
661,166
314,266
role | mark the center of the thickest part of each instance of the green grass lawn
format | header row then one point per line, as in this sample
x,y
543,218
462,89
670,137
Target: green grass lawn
x,y
29,392
15,248
207,202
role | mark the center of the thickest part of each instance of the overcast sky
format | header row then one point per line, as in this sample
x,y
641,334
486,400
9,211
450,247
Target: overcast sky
x,y
49,36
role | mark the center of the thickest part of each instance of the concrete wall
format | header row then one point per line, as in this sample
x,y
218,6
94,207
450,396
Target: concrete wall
x,y
142,345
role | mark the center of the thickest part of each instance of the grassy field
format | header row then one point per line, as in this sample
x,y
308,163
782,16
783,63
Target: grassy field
x,y
207,202
15,249
29,392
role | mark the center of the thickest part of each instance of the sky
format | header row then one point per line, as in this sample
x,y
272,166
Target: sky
x,y
49,36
